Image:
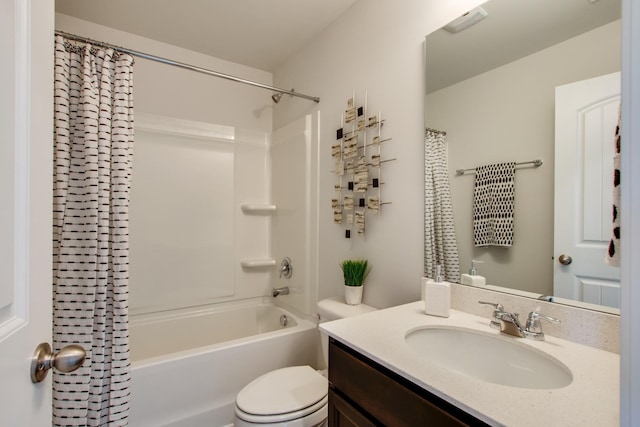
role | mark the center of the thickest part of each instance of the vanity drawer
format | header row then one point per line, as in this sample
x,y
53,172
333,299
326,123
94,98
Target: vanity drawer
x,y
386,397
343,414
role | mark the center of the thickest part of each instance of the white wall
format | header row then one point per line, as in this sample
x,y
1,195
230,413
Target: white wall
x,y
376,46
507,114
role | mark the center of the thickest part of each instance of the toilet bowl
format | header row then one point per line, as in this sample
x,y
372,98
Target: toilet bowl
x,y
295,396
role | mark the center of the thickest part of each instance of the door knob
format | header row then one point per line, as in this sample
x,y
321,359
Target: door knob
x,y
68,359
565,259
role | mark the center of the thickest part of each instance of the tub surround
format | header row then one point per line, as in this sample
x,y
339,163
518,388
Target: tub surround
x,y
592,398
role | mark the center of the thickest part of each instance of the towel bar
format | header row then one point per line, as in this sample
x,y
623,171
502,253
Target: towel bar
x,y
536,163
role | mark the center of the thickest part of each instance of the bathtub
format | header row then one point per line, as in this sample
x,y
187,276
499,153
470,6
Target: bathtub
x,y
188,367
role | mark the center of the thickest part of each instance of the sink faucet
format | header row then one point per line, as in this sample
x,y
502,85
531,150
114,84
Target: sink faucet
x,y
509,323
280,291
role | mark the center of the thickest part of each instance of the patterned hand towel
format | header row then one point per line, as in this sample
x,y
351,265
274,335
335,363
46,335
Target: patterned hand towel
x,y
613,253
493,204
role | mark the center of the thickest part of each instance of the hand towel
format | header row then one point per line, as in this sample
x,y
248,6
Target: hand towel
x,y
493,205
613,252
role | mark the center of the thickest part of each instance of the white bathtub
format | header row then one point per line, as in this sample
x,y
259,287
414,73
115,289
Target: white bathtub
x,y
188,367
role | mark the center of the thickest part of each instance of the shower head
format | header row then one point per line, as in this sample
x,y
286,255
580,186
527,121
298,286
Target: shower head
x,y
278,96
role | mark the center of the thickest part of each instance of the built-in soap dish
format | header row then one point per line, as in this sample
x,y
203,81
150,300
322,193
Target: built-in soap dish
x,y
258,209
257,262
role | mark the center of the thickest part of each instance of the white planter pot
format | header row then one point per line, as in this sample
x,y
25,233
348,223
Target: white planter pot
x,y
353,294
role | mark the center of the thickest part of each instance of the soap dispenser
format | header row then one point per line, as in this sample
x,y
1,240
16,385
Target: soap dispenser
x,y
436,295
473,278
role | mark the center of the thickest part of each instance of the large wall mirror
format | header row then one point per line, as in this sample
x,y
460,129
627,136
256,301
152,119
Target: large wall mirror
x,y
492,88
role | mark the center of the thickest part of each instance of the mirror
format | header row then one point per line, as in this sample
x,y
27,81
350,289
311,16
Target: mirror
x,y
491,88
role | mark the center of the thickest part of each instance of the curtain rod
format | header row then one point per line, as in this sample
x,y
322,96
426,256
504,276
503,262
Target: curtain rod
x,y
185,66
435,131
536,163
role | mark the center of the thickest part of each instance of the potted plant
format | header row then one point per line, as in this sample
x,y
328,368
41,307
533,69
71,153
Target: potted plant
x,y
355,271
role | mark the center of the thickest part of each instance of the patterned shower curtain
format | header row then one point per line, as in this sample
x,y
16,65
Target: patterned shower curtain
x,y
92,178
439,233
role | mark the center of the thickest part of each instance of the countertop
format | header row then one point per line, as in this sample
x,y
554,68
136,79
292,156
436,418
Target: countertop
x,y
591,399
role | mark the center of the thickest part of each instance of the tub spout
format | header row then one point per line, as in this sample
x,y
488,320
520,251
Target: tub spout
x,y
280,291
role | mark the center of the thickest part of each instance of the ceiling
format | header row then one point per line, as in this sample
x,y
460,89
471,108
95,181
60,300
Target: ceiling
x,y
512,30
258,33
265,33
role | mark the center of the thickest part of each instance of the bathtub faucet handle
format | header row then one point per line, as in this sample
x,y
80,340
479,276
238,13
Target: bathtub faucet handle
x,y
286,268
280,291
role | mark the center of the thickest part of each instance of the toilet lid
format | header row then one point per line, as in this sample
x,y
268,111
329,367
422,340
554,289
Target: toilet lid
x,y
283,390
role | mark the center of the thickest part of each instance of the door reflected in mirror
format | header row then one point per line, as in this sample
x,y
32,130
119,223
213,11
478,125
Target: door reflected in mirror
x,y
491,88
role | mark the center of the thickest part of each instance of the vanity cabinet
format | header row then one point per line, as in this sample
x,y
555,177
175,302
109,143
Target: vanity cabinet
x,y
365,393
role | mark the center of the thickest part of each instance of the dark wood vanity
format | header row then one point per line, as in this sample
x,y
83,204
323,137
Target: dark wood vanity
x,y
365,393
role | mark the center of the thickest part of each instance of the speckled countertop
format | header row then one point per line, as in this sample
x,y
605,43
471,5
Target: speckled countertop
x,y
592,398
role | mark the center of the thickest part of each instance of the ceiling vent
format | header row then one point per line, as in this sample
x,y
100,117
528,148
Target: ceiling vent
x,y
466,20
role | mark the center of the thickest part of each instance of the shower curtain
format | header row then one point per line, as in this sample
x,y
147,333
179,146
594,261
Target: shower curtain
x,y
93,145
440,244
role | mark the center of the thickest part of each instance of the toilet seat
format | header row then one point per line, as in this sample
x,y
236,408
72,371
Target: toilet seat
x,y
282,395
288,417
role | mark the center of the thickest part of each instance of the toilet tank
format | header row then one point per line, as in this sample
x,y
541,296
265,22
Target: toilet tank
x,y
334,309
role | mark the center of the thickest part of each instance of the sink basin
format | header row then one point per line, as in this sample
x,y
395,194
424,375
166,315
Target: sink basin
x,y
488,357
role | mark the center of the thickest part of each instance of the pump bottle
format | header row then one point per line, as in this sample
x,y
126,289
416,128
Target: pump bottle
x,y
436,295
473,278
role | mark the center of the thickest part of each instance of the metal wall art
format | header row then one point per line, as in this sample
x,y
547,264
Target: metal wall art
x,y
358,160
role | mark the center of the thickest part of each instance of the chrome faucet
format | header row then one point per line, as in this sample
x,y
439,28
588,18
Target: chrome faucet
x,y
280,291
509,323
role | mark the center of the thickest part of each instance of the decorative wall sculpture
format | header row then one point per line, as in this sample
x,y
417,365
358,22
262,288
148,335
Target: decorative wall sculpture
x,y
358,160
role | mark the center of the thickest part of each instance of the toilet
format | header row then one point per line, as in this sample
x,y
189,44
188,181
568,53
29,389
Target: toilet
x,y
295,396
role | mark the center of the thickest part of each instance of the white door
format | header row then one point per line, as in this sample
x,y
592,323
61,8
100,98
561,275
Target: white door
x,y
26,104
586,118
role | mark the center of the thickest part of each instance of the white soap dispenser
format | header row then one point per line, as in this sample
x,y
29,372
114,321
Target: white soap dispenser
x,y
473,278
436,295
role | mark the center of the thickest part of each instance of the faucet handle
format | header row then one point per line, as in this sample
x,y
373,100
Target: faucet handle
x,y
495,305
498,311
498,307
286,268
533,323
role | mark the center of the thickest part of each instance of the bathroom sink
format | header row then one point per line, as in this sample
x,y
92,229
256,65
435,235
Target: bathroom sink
x,y
490,358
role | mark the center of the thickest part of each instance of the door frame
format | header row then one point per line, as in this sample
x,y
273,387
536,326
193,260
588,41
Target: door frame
x,y
630,216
